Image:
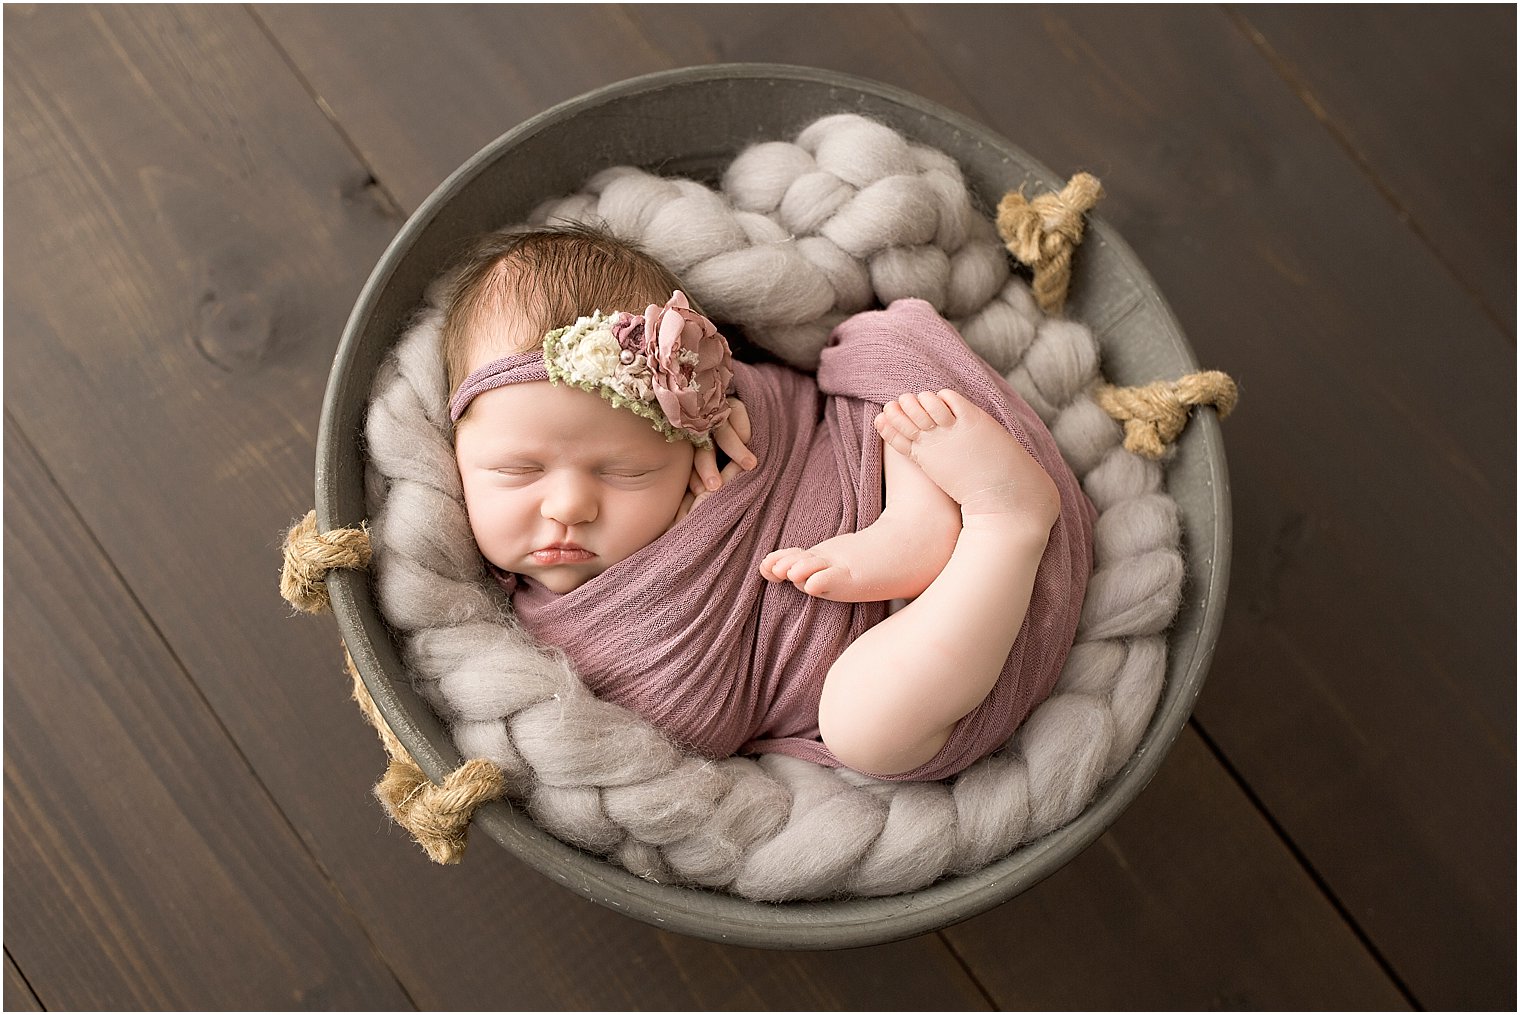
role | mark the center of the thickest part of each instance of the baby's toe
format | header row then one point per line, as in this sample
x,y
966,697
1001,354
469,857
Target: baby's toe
x,y
938,409
959,404
776,563
823,582
804,567
896,429
911,407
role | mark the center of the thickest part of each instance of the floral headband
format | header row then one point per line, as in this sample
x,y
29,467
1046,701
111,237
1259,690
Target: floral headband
x,y
669,365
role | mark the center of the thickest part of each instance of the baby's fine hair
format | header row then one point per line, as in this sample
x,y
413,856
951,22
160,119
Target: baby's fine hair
x,y
551,274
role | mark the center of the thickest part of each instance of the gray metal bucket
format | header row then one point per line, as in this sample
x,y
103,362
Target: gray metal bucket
x,y
692,122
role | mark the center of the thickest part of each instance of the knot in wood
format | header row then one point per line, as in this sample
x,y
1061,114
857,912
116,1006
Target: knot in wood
x,y
1154,414
1042,232
310,554
438,816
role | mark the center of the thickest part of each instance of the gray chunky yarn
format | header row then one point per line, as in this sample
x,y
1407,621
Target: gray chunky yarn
x,y
802,234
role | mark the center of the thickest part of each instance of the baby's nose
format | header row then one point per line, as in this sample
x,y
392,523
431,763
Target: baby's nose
x,y
570,502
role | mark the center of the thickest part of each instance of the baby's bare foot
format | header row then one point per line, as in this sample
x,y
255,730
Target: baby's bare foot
x,y
971,456
896,557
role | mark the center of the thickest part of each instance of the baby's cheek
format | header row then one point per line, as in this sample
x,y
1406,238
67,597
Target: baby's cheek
x,y
648,514
674,494
487,525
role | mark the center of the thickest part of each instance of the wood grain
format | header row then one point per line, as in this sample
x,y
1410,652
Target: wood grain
x,y
186,277
131,821
329,46
504,64
18,993
1363,685
1424,99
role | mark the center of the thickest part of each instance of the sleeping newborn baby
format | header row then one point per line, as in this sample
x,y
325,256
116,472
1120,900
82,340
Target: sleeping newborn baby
x,y
713,543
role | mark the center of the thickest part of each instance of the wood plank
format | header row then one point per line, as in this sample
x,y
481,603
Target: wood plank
x,y
1268,936
145,866
187,273
1364,683
18,993
504,65
1425,98
329,45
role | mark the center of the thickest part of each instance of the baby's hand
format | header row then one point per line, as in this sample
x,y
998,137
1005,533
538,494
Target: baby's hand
x,y
732,435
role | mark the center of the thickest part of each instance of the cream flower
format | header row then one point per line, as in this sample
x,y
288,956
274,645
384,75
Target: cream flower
x,y
593,359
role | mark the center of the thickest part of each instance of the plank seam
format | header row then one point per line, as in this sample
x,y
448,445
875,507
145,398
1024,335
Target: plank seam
x,y
391,205
21,974
1342,136
1308,867
195,689
970,973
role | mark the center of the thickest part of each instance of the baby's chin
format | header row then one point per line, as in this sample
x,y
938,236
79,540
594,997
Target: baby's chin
x,y
560,585
561,580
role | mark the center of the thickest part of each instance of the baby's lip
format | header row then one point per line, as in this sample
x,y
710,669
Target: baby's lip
x,y
561,553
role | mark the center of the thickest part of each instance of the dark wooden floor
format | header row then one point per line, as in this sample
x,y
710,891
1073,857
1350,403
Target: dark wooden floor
x,y
193,199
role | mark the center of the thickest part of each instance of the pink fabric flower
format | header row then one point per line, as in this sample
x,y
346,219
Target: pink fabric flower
x,y
628,329
692,365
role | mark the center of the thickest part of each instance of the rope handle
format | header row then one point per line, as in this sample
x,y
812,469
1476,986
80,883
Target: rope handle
x,y
1043,232
1154,414
310,554
437,816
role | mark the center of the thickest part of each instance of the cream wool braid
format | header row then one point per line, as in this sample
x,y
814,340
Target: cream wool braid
x,y
894,220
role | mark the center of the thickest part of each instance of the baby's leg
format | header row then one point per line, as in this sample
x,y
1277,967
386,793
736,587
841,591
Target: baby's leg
x,y
892,697
895,557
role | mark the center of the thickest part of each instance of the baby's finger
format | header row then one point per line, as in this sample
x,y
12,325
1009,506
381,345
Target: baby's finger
x,y
706,465
732,444
687,503
730,472
696,484
738,418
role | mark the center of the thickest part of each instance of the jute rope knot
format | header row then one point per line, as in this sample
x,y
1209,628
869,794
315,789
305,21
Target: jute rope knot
x,y
438,817
1154,414
1042,232
310,554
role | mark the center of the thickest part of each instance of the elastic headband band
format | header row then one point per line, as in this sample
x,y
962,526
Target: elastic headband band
x,y
519,369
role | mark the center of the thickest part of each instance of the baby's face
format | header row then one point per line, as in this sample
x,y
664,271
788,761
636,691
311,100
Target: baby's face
x,y
560,485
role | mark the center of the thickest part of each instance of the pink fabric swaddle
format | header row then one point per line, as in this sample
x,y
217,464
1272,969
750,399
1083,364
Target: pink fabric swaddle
x,y
688,634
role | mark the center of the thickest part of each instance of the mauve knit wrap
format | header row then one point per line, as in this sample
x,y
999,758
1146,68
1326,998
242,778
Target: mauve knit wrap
x,y
688,634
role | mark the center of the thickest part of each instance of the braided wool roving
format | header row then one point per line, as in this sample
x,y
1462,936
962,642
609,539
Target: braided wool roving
x,y
801,235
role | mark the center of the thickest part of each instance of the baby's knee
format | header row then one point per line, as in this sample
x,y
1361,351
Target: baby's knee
x,y
877,747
